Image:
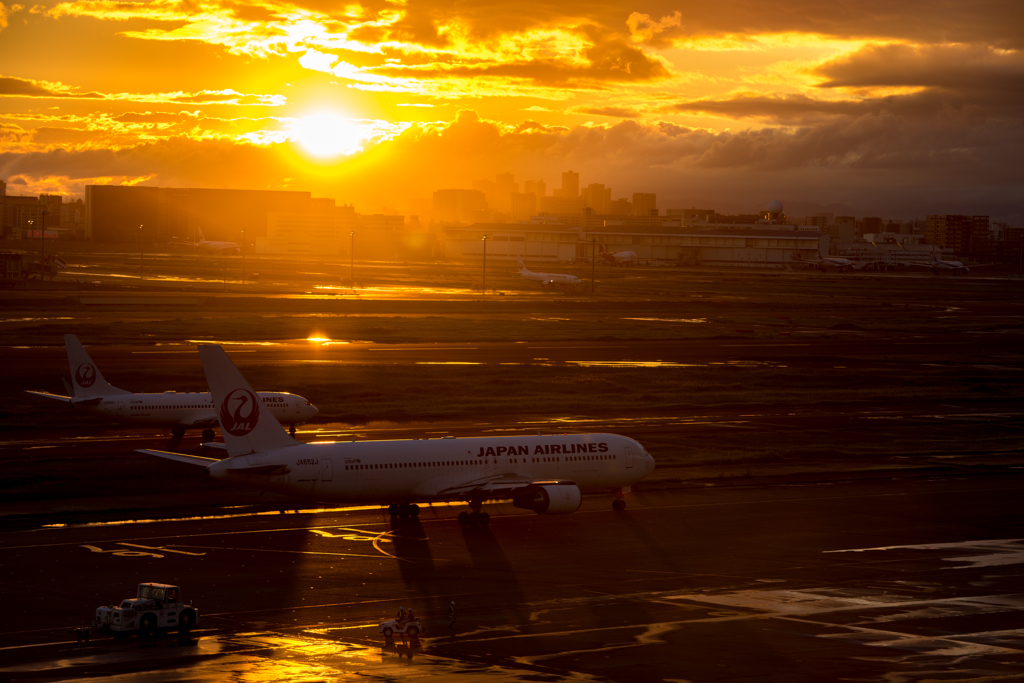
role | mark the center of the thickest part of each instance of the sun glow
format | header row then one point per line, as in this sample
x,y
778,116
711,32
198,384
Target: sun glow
x,y
327,135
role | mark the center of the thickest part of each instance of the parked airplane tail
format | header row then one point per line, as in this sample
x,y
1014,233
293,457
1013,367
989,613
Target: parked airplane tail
x,y
247,425
522,266
86,379
199,231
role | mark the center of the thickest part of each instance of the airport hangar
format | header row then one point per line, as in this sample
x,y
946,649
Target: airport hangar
x,y
754,247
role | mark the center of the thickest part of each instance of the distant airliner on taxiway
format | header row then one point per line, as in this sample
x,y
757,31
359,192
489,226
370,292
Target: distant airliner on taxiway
x,y
179,411
546,474
547,279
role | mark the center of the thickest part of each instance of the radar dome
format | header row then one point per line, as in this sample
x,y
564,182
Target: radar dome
x,y
775,206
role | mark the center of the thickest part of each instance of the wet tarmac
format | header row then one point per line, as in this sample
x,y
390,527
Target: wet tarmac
x,y
889,580
899,350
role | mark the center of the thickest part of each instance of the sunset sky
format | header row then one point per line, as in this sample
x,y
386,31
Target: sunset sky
x,y
894,107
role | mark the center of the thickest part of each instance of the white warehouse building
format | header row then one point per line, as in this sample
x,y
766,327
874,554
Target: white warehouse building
x,y
759,247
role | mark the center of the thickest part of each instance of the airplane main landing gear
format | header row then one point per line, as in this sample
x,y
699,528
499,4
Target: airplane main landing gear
x,y
475,517
178,432
404,510
618,504
208,435
291,430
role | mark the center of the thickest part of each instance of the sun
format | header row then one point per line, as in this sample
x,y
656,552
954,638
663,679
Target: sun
x,y
327,135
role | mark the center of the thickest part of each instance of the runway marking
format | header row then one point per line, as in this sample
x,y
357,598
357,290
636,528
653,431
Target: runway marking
x,y
273,550
167,550
739,345
121,553
1001,552
357,536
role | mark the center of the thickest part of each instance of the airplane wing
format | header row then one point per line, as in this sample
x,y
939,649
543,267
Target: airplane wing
x,y
180,457
67,399
502,485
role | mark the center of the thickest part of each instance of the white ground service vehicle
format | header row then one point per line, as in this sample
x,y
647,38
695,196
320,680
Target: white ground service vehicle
x,y
392,626
156,606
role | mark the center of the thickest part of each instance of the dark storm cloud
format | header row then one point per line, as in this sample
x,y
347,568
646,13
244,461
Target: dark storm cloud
x,y
964,68
23,87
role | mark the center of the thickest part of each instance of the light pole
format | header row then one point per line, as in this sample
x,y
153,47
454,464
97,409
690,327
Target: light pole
x,y
142,257
483,288
593,262
42,236
243,256
352,258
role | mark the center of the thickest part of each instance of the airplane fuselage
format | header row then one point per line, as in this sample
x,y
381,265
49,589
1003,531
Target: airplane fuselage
x,y
172,409
422,470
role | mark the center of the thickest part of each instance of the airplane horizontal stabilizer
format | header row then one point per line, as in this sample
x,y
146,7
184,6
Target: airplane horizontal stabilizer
x,y
180,457
66,399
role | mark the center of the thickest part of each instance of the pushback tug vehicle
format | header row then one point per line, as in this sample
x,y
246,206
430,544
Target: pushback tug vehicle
x,y
155,607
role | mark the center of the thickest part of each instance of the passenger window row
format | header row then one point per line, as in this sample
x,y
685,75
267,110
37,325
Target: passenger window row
x,y
405,465
464,463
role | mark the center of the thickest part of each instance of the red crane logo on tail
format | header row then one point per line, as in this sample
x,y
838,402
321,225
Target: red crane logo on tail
x,y
85,375
239,412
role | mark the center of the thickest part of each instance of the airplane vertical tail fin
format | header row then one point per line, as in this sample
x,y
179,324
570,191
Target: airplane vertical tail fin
x,y
522,266
247,425
199,231
86,379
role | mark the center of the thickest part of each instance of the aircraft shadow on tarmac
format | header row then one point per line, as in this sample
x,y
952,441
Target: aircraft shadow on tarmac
x,y
489,557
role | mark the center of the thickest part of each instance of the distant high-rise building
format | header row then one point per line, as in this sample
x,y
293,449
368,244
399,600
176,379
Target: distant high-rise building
x,y
645,204
558,204
596,196
620,207
570,184
821,220
965,235
537,187
458,206
523,205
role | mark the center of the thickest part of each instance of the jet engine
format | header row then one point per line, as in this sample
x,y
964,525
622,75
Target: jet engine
x,y
553,499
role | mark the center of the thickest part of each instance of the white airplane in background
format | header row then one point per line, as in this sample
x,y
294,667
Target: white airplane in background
x,y
547,279
546,474
831,262
938,266
220,247
179,411
618,257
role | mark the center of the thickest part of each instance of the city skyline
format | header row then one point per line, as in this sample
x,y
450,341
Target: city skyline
x,y
899,109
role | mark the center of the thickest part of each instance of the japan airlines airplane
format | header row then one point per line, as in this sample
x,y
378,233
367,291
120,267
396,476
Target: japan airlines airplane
x,y
179,411
546,474
220,247
939,266
547,279
618,257
832,262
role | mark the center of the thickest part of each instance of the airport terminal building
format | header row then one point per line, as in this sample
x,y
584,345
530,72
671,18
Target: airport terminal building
x,y
769,243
